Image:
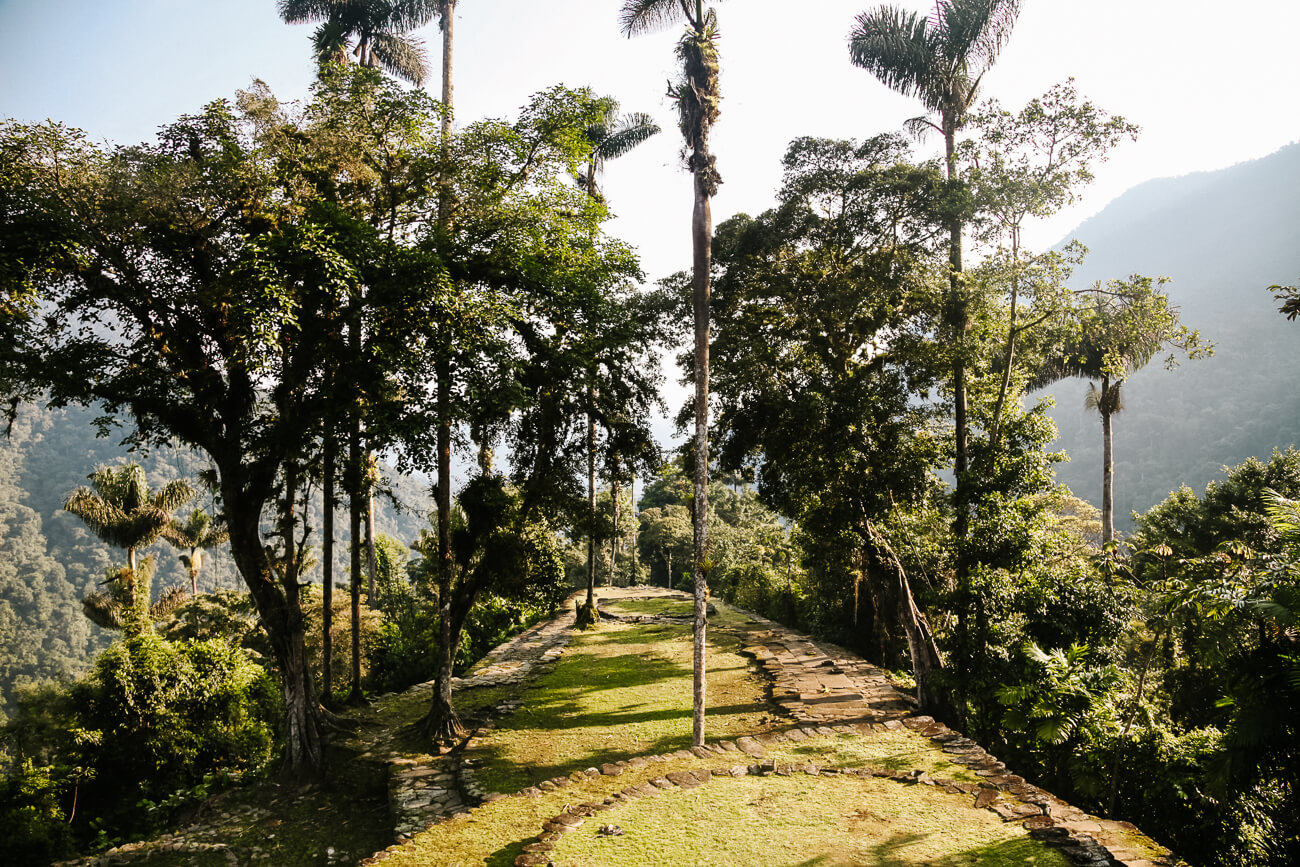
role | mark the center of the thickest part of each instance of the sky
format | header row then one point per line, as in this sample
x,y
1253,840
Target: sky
x,y
1210,87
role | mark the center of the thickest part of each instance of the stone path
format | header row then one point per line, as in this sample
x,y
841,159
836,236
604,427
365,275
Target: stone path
x,y
831,689
812,686
423,792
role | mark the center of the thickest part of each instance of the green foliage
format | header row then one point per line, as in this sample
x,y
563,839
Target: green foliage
x,y
167,713
405,650
152,719
31,812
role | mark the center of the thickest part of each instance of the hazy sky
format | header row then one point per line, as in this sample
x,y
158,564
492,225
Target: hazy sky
x,y
1210,87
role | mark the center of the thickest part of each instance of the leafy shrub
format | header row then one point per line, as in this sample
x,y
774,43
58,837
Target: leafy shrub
x,y
153,717
35,826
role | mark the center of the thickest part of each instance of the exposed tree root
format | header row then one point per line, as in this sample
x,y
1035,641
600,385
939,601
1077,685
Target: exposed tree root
x,y
587,615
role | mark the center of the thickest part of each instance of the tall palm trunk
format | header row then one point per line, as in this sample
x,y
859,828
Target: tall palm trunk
x,y
442,724
354,528
702,236
1107,410
591,506
327,566
959,322
613,509
372,599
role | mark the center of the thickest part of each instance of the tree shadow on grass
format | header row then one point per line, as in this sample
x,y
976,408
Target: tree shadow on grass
x,y
1014,852
506,855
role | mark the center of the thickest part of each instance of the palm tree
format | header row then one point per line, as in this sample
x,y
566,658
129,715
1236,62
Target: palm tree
x,y
940,60
116,609
375,32
441,723
1120,328
610,137
697,98
199,533
119,508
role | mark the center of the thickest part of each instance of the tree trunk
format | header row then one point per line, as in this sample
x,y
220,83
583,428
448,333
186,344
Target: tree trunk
x,y
613,542
591,499
372,599
702,231
926,662
327,568
442,724
1009,353
448,19
636,533
354,526
279,610
1107,465
959,321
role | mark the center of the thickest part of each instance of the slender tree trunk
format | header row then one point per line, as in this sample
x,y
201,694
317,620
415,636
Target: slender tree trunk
x,y
702,230
447,24
1107,465
613,542
591,502
1008,354
327,567
959,321
442,722
354,527
636,533
372,599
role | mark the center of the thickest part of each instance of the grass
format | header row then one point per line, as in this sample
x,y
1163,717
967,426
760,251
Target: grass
x,y
620,691
900,750
624,690
676,607
801,820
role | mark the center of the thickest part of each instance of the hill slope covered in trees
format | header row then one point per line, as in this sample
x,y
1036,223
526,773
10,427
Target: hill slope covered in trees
x,y
49,560
1222,238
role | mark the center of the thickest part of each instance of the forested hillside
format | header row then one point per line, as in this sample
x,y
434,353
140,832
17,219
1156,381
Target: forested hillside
x,y
49,560
1222,238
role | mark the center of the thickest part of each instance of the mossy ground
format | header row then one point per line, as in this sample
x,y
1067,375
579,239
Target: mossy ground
x,y
802,820
621,690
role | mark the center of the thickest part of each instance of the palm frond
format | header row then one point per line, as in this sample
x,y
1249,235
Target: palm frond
x,y
920,127
302,11
330,43
975,31
171,599
1283,514
630,131
647,16
99,515
102,610
174,494
1108,401
895,46
401,56
406,15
